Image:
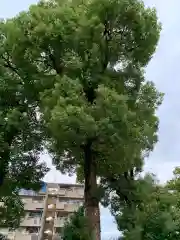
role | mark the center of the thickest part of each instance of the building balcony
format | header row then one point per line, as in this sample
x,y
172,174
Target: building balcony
x,y
59,222
30,205
75,194
31,222
71,191
24,236
9,235
62,192
71,207
59,205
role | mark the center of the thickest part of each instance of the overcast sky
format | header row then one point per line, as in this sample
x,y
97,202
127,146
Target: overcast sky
x,y
164,71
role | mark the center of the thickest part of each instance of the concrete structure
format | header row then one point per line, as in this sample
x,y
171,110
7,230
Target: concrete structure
x,y
47,211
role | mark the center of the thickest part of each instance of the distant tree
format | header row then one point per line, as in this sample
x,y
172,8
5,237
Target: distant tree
x,y
150,211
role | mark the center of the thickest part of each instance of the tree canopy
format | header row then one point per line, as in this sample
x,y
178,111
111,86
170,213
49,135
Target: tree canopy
x,y
20,131
76,75
20,136
20,144
152,212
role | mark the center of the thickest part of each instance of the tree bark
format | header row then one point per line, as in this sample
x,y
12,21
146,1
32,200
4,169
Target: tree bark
x,y
5,153
90,193
4,160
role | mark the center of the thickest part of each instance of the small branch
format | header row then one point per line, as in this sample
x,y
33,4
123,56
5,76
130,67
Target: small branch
x,y
7,64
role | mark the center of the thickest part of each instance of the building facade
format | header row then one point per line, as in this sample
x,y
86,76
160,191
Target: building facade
x,y
47,211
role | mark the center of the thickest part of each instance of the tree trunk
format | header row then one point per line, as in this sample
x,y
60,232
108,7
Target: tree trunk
x,y
5,153
90,193
4,160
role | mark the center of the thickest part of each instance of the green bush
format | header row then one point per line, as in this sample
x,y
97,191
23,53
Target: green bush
x,y
77,227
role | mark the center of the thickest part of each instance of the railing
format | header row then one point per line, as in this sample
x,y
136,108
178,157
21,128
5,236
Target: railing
x,y
59,205
75,193
30,205
71,207
34,222
26,236
59,222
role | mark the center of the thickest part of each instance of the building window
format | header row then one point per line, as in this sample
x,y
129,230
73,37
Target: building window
x,y
64,187
58,230
35,214
61,214
72,201
32,229
26,200
37,199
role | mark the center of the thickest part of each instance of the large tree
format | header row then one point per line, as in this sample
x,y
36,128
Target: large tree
x,y
20,135
144,209
84,63
20,129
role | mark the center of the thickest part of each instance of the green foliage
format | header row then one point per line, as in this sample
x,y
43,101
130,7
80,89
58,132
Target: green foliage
x,y
152,213
174,183
20,127
80,66
113,108
20,131
11,211
77,227
2,237
20,146
68,51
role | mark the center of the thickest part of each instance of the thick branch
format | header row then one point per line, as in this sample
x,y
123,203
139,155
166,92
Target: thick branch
x,y
107,38
5,153
57,65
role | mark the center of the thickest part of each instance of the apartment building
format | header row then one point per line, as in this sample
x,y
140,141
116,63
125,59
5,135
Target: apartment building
x,y
47,211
